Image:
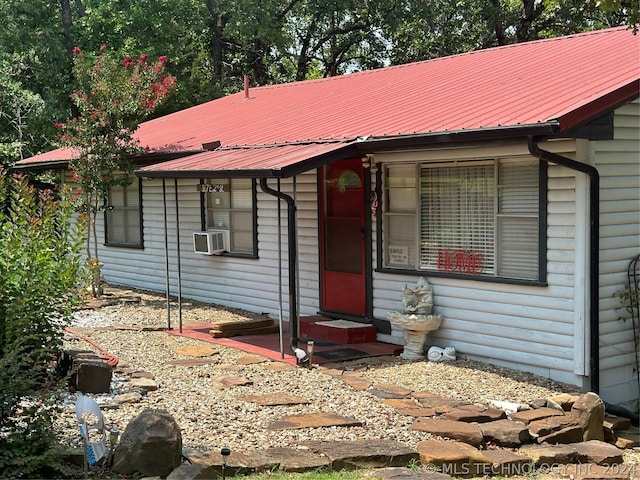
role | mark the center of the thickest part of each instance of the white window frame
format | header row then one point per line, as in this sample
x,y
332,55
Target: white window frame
x,y
129,214
506,234
226,200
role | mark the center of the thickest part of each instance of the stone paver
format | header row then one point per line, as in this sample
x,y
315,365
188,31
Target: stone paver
x,y
280,367
441,404
628,438
251,360
480,415
146,384
545,426
196,351
417,412
546,455
505,463
528,416
364,453
462,431
398,403
191,362
505,433
595,451
357,383
128,397
275,399
452,458
401,473
568,434
288,459
228,381
388,393
314,420
394,389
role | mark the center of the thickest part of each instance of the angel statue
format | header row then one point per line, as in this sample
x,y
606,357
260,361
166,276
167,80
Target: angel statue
x,y
419,300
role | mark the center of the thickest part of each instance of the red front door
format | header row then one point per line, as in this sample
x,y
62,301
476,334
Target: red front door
x,y
342,230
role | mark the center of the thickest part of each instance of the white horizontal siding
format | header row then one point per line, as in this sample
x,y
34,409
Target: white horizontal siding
x,y
526,327
618,162
248,283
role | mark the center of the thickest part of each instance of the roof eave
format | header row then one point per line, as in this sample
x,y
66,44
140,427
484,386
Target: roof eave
x,y
600,106
288,171
41,166
401,142
148,158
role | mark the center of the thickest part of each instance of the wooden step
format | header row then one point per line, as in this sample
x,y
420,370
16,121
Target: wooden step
x,y
244,331
242,325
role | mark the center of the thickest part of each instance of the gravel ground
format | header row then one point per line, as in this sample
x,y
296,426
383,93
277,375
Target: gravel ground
x,y
212,417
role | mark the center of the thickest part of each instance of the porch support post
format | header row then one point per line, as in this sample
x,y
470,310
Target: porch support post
x,y
166,252
175,183
292,248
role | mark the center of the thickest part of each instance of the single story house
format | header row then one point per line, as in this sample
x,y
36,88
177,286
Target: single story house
x,y
509,178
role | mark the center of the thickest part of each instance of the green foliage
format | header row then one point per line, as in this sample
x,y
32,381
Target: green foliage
x,y
19,110
39,273
213,43
113,96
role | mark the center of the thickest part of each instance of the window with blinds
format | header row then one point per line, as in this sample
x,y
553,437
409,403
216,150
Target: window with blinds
x,y
473,218
123,216
230,206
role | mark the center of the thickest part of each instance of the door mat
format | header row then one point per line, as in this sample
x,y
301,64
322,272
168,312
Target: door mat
x,y
341,354
317,343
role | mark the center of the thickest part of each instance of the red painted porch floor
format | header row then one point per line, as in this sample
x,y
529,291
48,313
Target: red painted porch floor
x,y
268,345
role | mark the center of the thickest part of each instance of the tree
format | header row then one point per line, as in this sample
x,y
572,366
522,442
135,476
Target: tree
x,y
112,99
18,109
40,271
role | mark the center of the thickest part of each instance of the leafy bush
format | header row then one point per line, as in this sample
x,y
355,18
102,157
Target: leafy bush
x,y
40,267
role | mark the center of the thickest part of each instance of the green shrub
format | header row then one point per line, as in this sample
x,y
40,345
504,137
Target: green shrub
x,y
40,267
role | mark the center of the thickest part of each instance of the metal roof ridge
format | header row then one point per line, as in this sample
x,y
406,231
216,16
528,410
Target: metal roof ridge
x,y
316,141
435,59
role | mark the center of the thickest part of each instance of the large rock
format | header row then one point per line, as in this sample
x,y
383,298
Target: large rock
x,y
86,371
505,433
453,458
601,453
151,445
588,413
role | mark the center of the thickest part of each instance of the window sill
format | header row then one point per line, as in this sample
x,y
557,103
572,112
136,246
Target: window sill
x,y
477,278
125,245
239,255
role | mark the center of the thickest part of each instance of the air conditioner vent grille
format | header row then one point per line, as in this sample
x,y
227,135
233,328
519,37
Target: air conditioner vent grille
x,y
212,242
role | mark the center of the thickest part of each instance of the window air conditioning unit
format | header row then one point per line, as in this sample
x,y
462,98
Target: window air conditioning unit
x,y
213,242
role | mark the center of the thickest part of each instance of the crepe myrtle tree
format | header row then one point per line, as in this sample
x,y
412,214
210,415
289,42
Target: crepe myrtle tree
x,y
113,96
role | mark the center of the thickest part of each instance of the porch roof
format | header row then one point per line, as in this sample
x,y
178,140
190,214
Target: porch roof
x,y
257,161
545,87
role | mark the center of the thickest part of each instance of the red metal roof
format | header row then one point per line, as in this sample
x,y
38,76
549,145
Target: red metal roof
x,y
561,82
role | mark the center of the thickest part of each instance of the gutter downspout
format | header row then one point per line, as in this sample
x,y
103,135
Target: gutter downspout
x,y
594,256
292,248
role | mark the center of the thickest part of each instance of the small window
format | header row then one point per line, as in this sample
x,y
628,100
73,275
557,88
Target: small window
x,y
477,218
231,206
123,215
